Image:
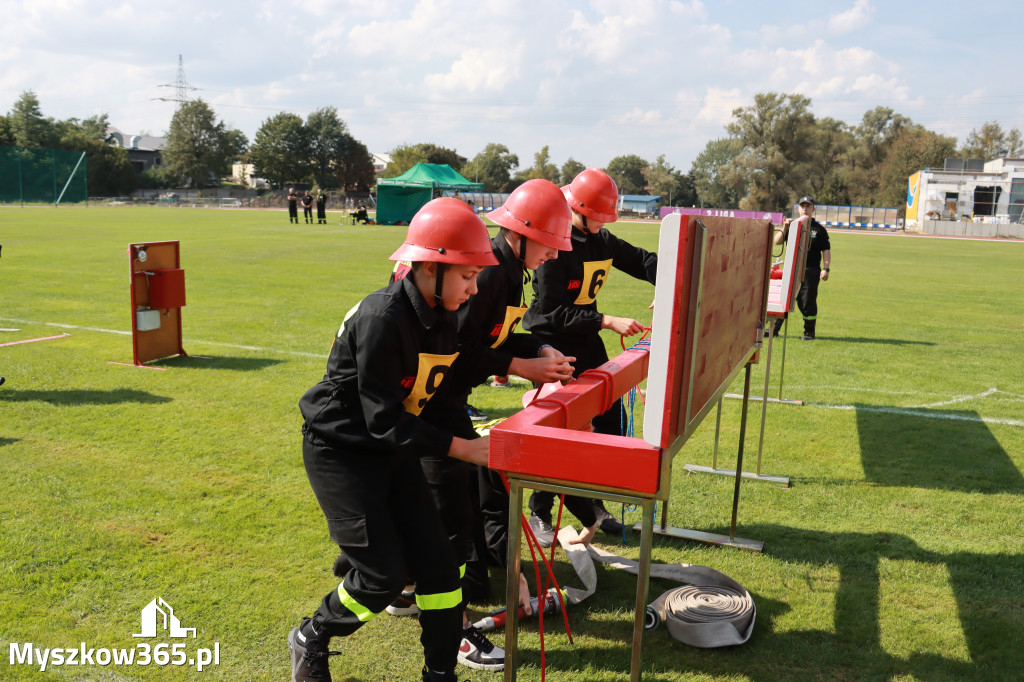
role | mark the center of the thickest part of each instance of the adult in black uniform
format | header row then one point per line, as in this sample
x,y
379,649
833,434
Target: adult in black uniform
x,y
321,207
293,206
307,207
363,439
819,259
564,314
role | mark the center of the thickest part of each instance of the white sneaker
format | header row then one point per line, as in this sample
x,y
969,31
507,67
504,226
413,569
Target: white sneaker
x,y
543,530
477,652
404,604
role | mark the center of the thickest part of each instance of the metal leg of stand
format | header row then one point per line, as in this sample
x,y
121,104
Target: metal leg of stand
x,y
782,369
739,454
718,432
514,547
764,403
642,584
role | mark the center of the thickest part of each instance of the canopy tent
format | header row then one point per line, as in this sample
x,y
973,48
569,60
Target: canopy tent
x,y
399,198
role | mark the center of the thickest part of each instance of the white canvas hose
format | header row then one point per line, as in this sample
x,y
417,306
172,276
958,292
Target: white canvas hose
x,y
709,610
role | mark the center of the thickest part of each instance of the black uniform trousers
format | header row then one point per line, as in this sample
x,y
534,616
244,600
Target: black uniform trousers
x,y
589,352
807,296
293,212
381,514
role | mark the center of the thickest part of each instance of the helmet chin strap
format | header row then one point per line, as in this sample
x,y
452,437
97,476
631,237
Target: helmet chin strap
x,y
439,280
522,264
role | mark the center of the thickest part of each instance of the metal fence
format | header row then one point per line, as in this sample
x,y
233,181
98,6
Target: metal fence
x,y
42,176
854,216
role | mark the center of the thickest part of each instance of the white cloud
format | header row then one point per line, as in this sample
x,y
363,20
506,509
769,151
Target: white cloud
x,y
718,105
488,70
853,19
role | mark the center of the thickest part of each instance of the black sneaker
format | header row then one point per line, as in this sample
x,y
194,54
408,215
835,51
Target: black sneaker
x,y
431,676
404,604
543,530
807,337
475,414
477,652
309,654
608,523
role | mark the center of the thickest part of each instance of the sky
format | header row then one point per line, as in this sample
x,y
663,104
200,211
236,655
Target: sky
x,y
591,80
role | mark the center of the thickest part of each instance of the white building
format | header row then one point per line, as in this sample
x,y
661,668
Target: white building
x,y
967,190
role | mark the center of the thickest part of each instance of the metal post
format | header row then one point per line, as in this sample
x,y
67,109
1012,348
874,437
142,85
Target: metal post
x,y
718,431
782,370
514,548
642,583
739,454
764,403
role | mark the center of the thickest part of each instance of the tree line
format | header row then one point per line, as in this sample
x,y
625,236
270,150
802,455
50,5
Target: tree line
x,y
774,150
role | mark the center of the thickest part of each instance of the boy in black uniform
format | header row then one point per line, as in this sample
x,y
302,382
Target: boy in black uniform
x,y
307,207
535,223
564,313
293,206
321,208
363,440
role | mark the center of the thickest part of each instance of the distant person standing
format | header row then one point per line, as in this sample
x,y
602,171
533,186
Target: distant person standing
x,y
307,207
321,207
819,259
293,206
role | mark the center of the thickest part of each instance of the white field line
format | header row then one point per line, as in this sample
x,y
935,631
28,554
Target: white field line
x,y
258,349
918,413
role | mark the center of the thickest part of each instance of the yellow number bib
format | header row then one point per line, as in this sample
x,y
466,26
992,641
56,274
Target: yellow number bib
x,y
595,274
513,315
431,372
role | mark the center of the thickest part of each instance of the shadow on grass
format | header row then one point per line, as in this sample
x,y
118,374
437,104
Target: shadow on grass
x,y
848,646
884,342
83,397
934,449
8,441
217,362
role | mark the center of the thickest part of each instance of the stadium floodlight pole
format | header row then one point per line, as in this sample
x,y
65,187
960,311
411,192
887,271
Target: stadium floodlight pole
x,y
70,178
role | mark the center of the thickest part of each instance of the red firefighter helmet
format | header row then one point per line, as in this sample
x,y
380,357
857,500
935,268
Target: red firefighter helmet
x,y
446,230
594,194
537,209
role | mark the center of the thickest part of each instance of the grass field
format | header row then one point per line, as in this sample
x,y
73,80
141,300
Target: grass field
x,y
896,555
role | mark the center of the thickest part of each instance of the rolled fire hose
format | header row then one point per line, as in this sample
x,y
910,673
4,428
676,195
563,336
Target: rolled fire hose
x,y
709,610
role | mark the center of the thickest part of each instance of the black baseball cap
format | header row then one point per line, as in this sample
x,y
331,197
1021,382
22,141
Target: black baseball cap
x,y
807,199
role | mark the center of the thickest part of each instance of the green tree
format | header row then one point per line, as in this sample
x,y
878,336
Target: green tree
x,y
710,174
354,167
828,168
280,149
628,173
912,150
871,142
991,142
197,150
660,179
542,167
1014,144
237,145
684,193
441,155
28,126
773,162
494,167
404,157
109,170
570,169
328,138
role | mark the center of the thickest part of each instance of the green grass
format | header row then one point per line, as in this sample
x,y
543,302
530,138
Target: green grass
x,y
896,555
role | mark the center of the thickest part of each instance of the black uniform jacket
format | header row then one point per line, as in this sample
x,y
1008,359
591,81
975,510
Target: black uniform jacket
x,y
389,357
819,243
564,308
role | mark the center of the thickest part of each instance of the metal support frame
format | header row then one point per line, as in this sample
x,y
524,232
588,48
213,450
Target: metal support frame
x,y
782,481
714,538
514,550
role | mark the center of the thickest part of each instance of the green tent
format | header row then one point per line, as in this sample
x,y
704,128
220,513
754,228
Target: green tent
x,y
399,198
